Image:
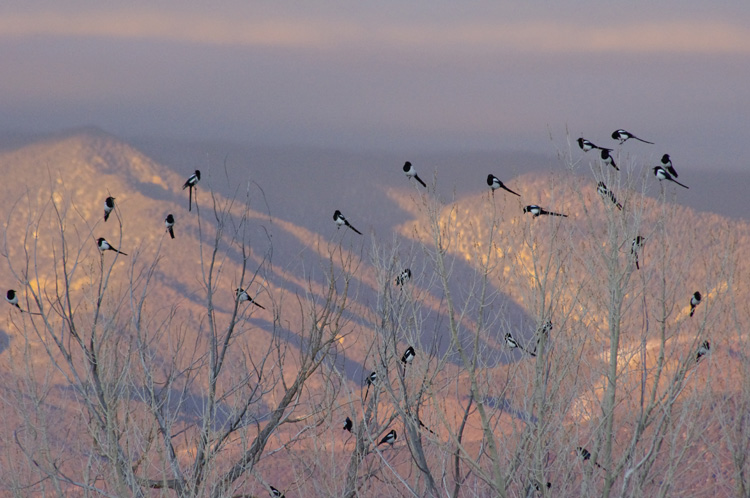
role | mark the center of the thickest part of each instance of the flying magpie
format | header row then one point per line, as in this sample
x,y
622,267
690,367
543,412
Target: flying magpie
x,y
340,220
403,277
495,184
623,135
242,295
513,344
695,301
662,174
105,246
191,183
537,211
109,205
666,162
703,350
605,192
276,493
389,438
169,223
637,245
12,298
348,424
607,158
586,145
412,172
586,455
408,356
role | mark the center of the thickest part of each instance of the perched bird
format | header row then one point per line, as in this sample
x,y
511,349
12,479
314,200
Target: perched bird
x,y
666,163
169,223
607,193
191,183
403,277
495,184
242,295
371,379
537,211
544,330
412,172
348,424
109,205
662,174
105,246
703,350
635,248
586,455
12,298
586,145
513,344
389,438
408,356
276,493
695,301
623,135
340,220
607,158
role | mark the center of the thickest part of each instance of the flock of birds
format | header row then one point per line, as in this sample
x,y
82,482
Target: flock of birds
x,y
665,171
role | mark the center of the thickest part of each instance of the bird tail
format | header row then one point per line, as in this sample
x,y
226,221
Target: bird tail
x,y
171,232
692,310
258,305
680,184
106,215
644,141
420,181
190,199
354,228
119,252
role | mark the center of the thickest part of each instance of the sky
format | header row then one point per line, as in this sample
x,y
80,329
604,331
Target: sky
x,y
387,75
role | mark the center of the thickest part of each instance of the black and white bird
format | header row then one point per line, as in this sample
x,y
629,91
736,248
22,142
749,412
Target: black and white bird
x,y
411,172
608,159
695,300
606,193
348,424
169,223
636,248
513,344
403,277
340,220
109,205
666,163
191,183
623,136
242,295
12,298
408,356
495,184
389,438
662,174
703,350
537,211
586,145
276,493
542,331
370,380
586,455
105,246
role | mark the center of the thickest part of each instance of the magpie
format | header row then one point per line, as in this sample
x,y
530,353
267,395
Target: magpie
x,y
12,298
242,295
662,174
403,277
586,455
371,379
408,356
703,350
109,205
542,331
513,344
191,183
105,246
537,211
495,184
169,223
412,172
637,245
623,135
666,162
586,145
389,438
276,493
605,192
340,220
695,301
348,424
607,158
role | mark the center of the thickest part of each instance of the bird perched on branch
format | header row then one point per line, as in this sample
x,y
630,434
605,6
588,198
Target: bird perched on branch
x,y
695,300
12,298
666,163
537,211
411,172
623,136
635,248
192,183
109,205
242,295
703,350
389,438
662,174
513,344
495,184
106,246
403,277
340,220
408,356
169,223
371,380
586,455
586,145
276,493
348,424
602,189
607,158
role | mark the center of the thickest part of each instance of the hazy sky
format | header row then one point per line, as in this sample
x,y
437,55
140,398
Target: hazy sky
x,y
387,75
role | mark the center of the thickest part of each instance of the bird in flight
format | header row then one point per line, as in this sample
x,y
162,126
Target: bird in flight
x,y
666,163
340,220
403,277
635,248
408,356
513,344
662,174
109,205
703,350
191,183
411,172
169,223
695,300
605,193
348,424
537,211
495,184
242,295
623,136
389,438
105,246
607,158
586,455
586,145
